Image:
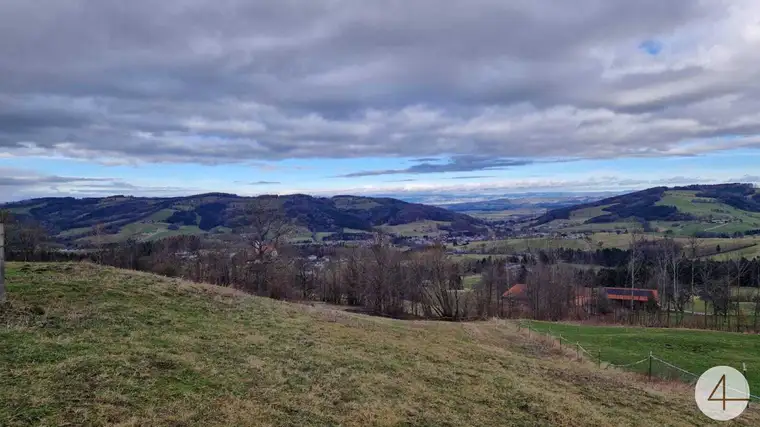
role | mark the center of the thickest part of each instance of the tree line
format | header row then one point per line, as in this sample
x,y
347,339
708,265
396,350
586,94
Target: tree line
x,y
381,279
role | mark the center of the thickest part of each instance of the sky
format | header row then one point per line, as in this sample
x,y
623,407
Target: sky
x,y
146,98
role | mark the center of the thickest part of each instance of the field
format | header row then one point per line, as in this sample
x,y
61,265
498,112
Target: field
x,y
739,220
694,351
505,214
711,215
416,229
748,247
84,345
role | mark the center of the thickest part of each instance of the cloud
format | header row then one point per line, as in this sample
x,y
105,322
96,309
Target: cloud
x,y
233,82
471,177
753,179
20,184
455,164
264,183
593,182
9,181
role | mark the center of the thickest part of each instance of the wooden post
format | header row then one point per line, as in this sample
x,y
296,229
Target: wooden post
x,y
744,372
650,366
599,358
2,261
560,341
578,350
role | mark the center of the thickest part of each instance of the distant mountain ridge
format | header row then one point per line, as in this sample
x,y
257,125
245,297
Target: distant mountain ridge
x,y
215,211
532,202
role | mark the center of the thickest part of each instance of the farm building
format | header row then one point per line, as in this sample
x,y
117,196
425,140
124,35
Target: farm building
x,y
623,295
518,292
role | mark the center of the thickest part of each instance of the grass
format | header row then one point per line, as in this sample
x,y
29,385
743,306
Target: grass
x,y
695,351
746,246
162,215
474,257
73,232
505,214
739,220
183,230
588,213
84,345
470,281
416,229
683,200
144,232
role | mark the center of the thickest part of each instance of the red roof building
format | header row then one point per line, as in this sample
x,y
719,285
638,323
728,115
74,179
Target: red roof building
x,y
518,291
628,294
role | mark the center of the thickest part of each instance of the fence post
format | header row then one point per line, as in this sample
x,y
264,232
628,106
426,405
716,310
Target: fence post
x,y
599,360
744,372
560,341
578,350
650,366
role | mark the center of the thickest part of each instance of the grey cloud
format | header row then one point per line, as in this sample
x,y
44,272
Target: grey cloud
x,y
455,164
8,181
20,184
231,82
471,177
747,179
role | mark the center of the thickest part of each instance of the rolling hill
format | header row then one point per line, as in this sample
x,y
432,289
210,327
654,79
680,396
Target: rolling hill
x,y
69,218
88,345
708,210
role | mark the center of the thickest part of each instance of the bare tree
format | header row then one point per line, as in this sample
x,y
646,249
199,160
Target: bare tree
x,y
635,258
740,266
662,265
673,254
694,245
26,238
266,231
268,227
705,274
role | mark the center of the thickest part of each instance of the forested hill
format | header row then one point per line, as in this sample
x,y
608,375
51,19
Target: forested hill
x,y
219,212
712,209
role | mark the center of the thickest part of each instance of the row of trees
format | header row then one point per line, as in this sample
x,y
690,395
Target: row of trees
x,y
381,279
677,270
377,278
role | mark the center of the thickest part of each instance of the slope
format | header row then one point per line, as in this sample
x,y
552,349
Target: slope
x,y
96,346
141,217
712,210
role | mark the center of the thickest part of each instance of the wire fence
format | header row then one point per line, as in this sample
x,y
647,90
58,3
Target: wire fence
x,y
650,365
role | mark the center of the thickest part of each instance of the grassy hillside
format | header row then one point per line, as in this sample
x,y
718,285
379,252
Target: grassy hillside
x,y
85,345
746,246
717,209
145,218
